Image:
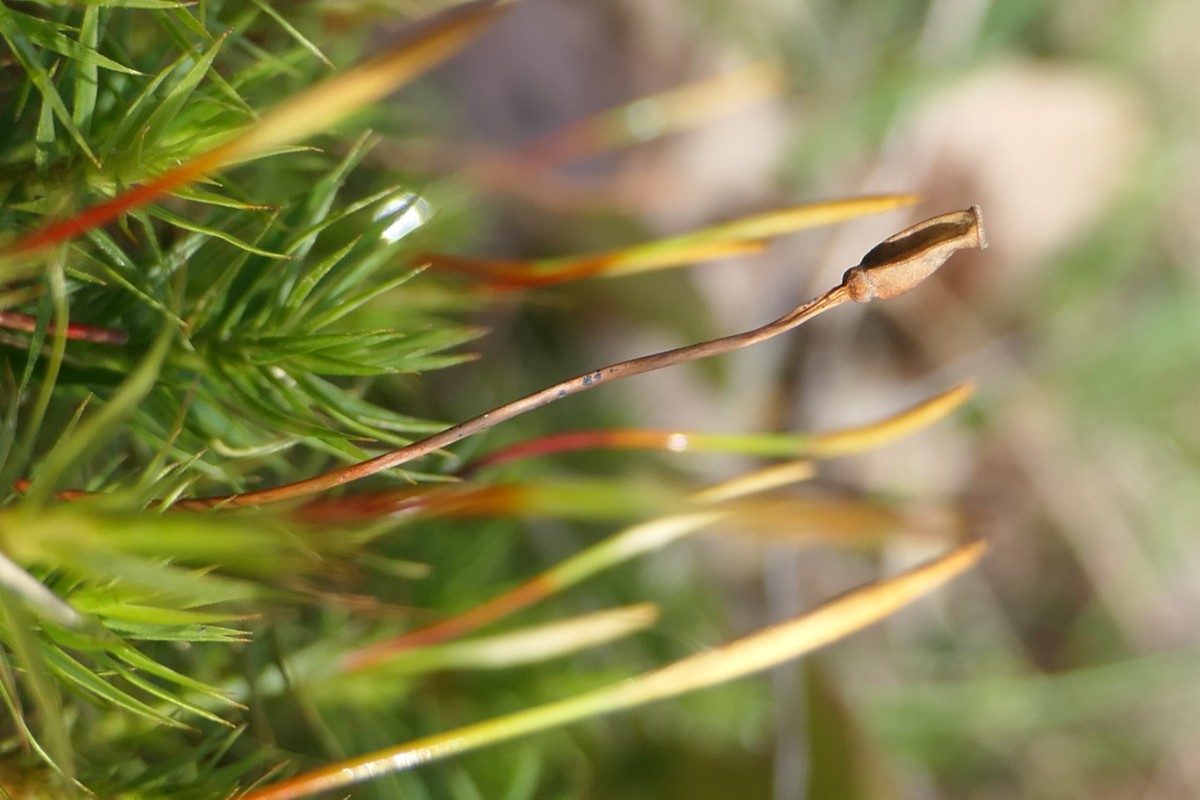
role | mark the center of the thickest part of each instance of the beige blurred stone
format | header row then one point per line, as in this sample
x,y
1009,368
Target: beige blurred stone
x,y
1043,148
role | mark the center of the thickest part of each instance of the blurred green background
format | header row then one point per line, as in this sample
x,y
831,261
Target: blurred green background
x,y
1065,668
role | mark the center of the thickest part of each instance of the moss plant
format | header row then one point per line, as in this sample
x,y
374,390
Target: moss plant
x,y
193,603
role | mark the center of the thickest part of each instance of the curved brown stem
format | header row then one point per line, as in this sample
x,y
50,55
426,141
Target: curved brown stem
x,y
579,383
15,320
895,266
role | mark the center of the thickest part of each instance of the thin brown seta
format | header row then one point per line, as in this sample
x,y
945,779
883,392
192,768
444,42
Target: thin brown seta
x,y
895,266
15,320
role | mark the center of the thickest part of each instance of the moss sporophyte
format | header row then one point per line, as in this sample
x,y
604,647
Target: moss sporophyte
x,y
232,342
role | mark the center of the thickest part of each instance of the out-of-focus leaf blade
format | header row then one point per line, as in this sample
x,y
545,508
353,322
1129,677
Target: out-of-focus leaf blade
x,y
754,653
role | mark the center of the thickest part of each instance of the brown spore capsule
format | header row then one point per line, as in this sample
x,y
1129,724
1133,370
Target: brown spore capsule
x,y
901,262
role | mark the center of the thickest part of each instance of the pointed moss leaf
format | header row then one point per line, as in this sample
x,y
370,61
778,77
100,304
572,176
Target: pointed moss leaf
x,y
37,339
361,258
45,34
280,406
183,13
365,353
376,415
281,150
138,660
172,633
294,293
259,398
270,349
357,301
270,11
121,259
198,195
122,136
179,93
114,669
270,394
216,233
134,676
244,545
41,80
213,314
332,365
317,212
172,584
371,255
114,607
77,274
366,261
353,424
81,677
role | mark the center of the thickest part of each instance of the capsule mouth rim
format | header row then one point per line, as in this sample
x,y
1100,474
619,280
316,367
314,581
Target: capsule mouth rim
x,y
980,228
